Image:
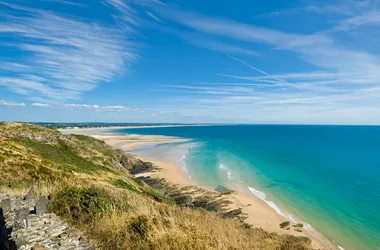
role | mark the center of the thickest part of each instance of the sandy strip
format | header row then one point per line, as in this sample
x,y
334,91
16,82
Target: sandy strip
x,y
102,130
132,141
258,212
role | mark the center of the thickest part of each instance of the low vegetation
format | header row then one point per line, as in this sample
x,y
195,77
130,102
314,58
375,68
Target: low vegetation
x,y
285,224
91,186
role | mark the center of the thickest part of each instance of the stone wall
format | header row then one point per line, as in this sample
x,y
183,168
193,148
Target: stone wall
x,y
26,224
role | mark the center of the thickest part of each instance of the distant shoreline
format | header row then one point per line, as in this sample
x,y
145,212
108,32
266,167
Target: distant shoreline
x,y
87,130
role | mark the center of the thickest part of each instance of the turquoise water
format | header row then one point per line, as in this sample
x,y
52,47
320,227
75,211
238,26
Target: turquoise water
x,y
328,176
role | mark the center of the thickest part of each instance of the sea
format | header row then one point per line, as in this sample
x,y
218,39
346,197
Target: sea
x,y
327,177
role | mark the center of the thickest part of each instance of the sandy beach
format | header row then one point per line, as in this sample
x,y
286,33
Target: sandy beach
x,y
258,213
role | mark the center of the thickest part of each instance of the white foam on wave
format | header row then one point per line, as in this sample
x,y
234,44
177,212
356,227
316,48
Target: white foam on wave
x,y
262,196
184,157
292,219
341,248
224,167
275,207
232,176
229,176
258,193
228,172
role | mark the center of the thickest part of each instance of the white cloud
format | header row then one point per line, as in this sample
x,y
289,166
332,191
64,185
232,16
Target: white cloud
x,y
326,8
66,2
62,56
126,15
11,104
220,46
94,107
318,49
153,16
367,18
342,76
36,104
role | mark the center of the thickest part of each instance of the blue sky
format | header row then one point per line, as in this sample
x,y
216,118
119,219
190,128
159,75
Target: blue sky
x,y
291,61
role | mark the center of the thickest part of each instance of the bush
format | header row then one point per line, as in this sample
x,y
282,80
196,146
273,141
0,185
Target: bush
x,y
284,224
79,204
139,226
223,190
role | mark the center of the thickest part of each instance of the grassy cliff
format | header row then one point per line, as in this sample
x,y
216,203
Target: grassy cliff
x,y
90,185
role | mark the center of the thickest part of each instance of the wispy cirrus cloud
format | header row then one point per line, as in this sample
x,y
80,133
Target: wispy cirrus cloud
x,y
370,18
319,50
220,46
59,56
334,7
66,2
339,75
153,16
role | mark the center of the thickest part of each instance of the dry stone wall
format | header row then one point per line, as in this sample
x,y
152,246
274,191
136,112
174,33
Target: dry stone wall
x,y
26,224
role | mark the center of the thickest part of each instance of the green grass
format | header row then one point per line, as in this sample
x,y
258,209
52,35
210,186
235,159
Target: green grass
x,y
92,143
83,138
138,181
123,184
145,189
61,155
16,184
158,196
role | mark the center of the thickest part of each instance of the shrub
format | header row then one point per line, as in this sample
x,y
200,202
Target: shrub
x,y
284,224
139,226
80,204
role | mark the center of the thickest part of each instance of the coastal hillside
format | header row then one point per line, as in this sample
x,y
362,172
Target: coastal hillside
x,y
92,187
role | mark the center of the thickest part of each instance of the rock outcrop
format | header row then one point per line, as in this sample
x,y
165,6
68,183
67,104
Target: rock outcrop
x,y
26,224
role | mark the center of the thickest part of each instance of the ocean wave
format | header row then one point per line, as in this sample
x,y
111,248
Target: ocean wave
x,y
258,193
232,176
341,248
183,159
229,176
228,171
224,167
262,196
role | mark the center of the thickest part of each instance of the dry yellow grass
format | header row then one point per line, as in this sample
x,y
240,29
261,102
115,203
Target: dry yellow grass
x,y
133,221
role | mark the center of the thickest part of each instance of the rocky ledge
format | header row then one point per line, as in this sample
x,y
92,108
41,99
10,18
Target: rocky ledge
x,y
26,224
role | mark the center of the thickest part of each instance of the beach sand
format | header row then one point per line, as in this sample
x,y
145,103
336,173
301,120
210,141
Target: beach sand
x,y
259,214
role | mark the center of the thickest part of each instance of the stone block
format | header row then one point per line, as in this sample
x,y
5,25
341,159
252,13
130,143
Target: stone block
x,y
30,195
40,207
6,205
21,219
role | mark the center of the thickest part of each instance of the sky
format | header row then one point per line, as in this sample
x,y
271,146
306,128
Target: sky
x,y
227,61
